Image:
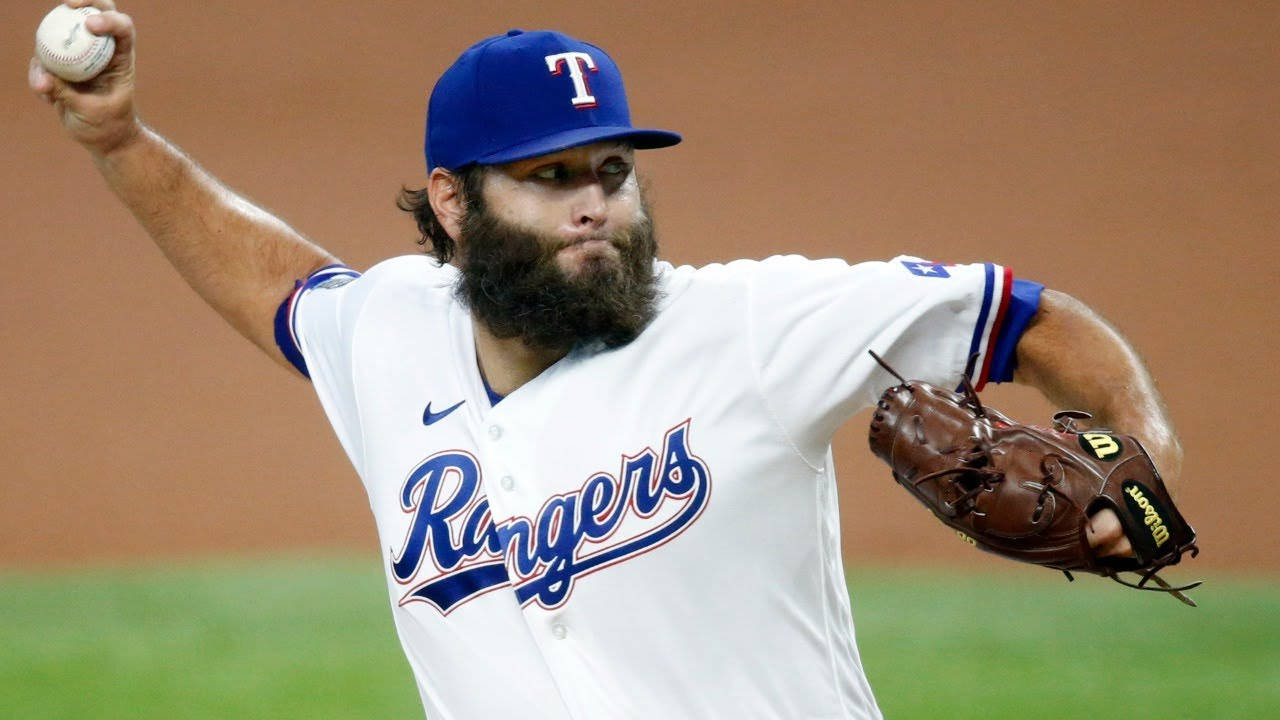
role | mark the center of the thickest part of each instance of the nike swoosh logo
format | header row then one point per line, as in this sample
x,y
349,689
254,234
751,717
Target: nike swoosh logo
x,y
429,417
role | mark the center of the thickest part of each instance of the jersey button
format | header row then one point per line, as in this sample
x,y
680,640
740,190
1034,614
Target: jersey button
x,y
495,431
560,631
507,482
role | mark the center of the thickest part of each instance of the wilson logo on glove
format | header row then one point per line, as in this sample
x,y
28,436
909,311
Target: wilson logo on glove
x,y
1100,445
1142,506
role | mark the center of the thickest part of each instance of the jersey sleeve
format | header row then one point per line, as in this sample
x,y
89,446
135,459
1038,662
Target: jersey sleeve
x,y
313,328
811,323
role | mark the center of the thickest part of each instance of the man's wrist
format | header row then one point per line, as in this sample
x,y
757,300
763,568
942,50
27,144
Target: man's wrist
x,y
1160,442
134,136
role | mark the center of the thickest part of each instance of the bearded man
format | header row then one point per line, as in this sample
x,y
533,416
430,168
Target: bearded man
x,y
603,484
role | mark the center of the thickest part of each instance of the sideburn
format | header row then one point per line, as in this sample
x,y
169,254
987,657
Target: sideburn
x,y
511,283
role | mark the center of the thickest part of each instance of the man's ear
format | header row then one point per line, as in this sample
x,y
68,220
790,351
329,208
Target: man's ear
x,y
444,190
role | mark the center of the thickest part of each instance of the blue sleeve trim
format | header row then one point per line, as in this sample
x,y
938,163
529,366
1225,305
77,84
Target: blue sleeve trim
x,y
1024,302
286,337
988,271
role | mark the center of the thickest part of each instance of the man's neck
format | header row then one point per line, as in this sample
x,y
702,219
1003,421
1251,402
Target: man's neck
x,y
508,363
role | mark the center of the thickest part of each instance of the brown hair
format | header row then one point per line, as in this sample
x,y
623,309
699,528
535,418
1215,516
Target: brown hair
x,y
418,204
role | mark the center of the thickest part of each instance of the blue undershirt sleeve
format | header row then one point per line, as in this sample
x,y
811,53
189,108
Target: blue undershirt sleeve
x,y
1024,302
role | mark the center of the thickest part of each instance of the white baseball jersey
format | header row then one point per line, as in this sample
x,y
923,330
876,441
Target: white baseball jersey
x,y
644,532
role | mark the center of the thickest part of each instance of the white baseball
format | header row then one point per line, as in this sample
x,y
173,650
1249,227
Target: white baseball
x,y
67,49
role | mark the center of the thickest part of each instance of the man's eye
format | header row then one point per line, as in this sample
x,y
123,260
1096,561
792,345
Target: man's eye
x,y
551,172
617,167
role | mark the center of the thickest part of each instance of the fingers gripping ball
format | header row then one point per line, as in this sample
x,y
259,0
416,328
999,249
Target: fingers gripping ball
x,y
1026,492
66,47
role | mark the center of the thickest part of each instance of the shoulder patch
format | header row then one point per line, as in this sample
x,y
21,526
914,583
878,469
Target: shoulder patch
x,y
924,268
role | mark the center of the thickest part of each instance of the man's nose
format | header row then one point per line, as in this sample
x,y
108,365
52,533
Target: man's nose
x,y
589,207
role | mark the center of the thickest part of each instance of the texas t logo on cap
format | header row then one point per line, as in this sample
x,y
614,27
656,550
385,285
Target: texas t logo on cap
x,y
577,62
524,94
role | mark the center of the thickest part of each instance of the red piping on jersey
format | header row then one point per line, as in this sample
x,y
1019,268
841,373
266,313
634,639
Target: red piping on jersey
x,y
995,329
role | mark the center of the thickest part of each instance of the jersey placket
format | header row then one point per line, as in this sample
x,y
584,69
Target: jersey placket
x,y
510,479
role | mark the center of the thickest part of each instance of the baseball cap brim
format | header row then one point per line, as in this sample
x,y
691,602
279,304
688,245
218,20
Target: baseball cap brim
x,y
641,138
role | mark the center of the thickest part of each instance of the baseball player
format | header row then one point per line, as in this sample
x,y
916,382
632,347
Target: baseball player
x,y
603,485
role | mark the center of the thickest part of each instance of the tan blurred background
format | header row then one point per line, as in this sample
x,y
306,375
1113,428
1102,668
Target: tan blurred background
x,y
1124,152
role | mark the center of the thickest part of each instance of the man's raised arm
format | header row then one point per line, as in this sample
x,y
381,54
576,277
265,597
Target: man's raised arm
x,y
242,260
1079,361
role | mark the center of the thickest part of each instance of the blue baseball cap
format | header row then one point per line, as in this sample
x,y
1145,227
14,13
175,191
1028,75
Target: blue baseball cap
x,y
524,94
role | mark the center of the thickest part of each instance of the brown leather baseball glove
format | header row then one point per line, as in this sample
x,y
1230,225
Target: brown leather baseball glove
x,y
1027,492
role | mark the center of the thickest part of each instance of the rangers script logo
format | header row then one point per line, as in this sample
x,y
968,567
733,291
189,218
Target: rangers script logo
x,y
454,540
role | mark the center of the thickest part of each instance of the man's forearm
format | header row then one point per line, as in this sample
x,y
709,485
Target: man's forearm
x,y
239,258
1079,361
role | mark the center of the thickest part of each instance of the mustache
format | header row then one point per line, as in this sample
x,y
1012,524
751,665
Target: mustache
x,y
619,239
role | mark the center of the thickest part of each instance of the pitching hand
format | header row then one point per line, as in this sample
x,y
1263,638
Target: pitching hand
x,y
99,112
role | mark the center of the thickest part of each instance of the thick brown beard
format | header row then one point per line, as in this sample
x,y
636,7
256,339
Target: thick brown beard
x,y
510,281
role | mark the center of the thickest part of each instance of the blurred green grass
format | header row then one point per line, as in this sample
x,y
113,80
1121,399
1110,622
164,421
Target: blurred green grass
x,y
309,637
300,637
1030,645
